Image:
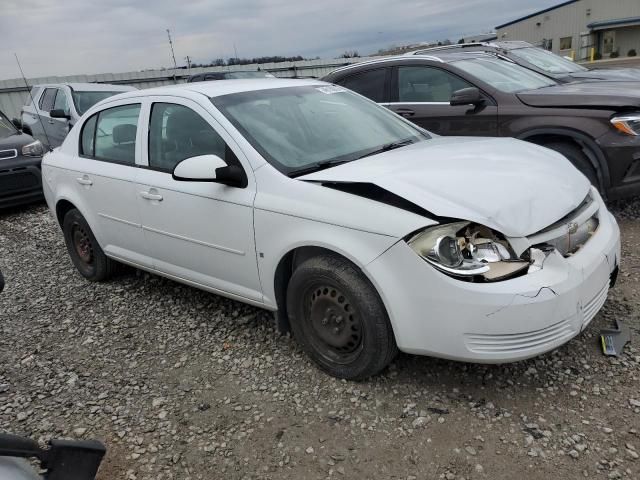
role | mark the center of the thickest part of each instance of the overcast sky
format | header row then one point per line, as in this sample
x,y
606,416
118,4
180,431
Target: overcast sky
x,y
66,37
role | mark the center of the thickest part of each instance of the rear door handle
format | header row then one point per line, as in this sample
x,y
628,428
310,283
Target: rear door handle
x,y
151,196
405,112
84,180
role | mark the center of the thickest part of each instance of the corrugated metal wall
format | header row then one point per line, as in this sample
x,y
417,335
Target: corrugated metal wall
x,y
569,21
14,94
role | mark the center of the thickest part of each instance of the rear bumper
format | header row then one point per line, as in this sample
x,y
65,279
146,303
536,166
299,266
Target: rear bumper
x,y
436,315
20,181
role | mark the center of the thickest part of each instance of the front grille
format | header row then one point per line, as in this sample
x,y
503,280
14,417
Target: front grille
x,y
518,343
6,154
571,232
15,181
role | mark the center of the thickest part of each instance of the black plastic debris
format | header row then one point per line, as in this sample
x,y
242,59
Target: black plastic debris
x,y
614,339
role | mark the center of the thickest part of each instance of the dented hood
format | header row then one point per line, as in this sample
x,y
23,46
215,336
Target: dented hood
x,y
515,187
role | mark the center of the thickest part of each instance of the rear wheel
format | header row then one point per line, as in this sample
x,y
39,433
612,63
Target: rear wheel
x,y
339,319
578,158
84,250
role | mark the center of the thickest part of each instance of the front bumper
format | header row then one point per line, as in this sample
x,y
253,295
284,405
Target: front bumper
x,y
436,315
623,159
20,181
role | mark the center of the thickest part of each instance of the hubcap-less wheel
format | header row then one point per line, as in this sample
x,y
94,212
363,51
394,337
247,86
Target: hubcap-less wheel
x,y
82,244
335,325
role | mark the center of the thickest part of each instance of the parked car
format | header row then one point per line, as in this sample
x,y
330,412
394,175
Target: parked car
x,y
594,124
231,75
539,60
364,233
20,157
57,107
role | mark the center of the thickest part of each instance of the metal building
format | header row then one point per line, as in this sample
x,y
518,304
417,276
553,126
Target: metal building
x,y
580,28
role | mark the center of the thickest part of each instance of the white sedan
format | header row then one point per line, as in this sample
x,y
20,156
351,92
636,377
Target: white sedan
x,y
364,233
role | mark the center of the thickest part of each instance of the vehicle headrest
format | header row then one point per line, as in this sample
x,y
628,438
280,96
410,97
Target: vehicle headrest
x,y
124,133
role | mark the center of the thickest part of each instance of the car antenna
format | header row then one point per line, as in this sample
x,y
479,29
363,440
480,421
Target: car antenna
x,y
33,102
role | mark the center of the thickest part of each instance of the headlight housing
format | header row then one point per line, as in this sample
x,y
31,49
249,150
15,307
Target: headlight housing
x,y
468,251
33,149
627,124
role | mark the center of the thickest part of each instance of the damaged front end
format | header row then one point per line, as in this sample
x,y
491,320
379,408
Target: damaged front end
x,y
475,253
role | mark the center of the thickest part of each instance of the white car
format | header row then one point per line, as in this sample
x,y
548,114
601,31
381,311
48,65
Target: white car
x,y
364,233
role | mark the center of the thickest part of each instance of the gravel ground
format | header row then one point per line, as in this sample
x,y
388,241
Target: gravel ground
x,y
181,384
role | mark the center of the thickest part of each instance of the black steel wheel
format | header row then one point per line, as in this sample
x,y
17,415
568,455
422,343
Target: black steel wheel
x,y
339,319
84,250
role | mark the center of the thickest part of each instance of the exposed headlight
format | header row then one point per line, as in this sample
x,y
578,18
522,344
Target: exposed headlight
x,y
467,251
629,124
33,149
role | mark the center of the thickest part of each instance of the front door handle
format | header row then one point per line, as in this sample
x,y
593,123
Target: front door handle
x,y
84,180
405,112
151,196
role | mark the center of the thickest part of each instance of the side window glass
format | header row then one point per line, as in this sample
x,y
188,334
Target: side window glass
x,y
87,137
427,84
176,132
370,84
47,99
115,137
61,101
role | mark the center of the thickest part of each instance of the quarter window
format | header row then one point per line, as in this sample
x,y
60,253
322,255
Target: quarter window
x,y
176,132
427,84
110,135
47,99
371,84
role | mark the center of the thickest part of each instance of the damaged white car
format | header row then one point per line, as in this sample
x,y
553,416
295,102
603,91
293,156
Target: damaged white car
x,y
364,233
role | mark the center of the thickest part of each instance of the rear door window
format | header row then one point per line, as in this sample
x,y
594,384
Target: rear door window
x,y
110,135
372,84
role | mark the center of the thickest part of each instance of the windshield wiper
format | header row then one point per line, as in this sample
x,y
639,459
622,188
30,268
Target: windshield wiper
x,y
316,167
388,146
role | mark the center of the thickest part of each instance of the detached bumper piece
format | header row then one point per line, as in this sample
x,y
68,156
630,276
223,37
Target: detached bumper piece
x,y
63,460
614,339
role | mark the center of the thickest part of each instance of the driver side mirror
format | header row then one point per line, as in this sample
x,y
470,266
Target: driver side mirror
x,y
466,96
209,168
59,113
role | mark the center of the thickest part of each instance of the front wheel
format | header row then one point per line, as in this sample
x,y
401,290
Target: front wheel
x,y
578,158
84,250
339,319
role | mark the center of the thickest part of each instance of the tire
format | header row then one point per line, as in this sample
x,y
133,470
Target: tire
x,y
577,157
84,250
338,318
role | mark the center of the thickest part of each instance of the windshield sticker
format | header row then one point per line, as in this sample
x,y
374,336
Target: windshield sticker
x,y
331,89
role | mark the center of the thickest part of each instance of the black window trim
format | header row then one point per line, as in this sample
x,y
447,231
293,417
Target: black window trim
x,y
102,159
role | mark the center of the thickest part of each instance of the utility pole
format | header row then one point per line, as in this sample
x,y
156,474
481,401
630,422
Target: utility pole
x,y
175,65
235,50
188,63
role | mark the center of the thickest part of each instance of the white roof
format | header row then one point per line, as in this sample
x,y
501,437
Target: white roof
x,y
91,87
216,88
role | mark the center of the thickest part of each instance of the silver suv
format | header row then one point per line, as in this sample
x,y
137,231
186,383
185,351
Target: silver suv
x,y
57,107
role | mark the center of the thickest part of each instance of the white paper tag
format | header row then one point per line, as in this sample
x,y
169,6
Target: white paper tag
x,y
331,89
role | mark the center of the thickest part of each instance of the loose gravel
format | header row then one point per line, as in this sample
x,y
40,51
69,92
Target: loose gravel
x,y
182,384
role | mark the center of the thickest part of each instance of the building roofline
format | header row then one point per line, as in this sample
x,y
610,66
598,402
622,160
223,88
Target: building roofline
x,y
536,13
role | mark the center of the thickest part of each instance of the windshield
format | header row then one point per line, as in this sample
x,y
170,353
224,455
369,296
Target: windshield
x,y
547,61
6,127
504,75
85,100
296,128
240,75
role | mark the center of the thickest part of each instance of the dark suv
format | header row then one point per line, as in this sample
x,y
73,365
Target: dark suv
x,y
539,60
594,124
